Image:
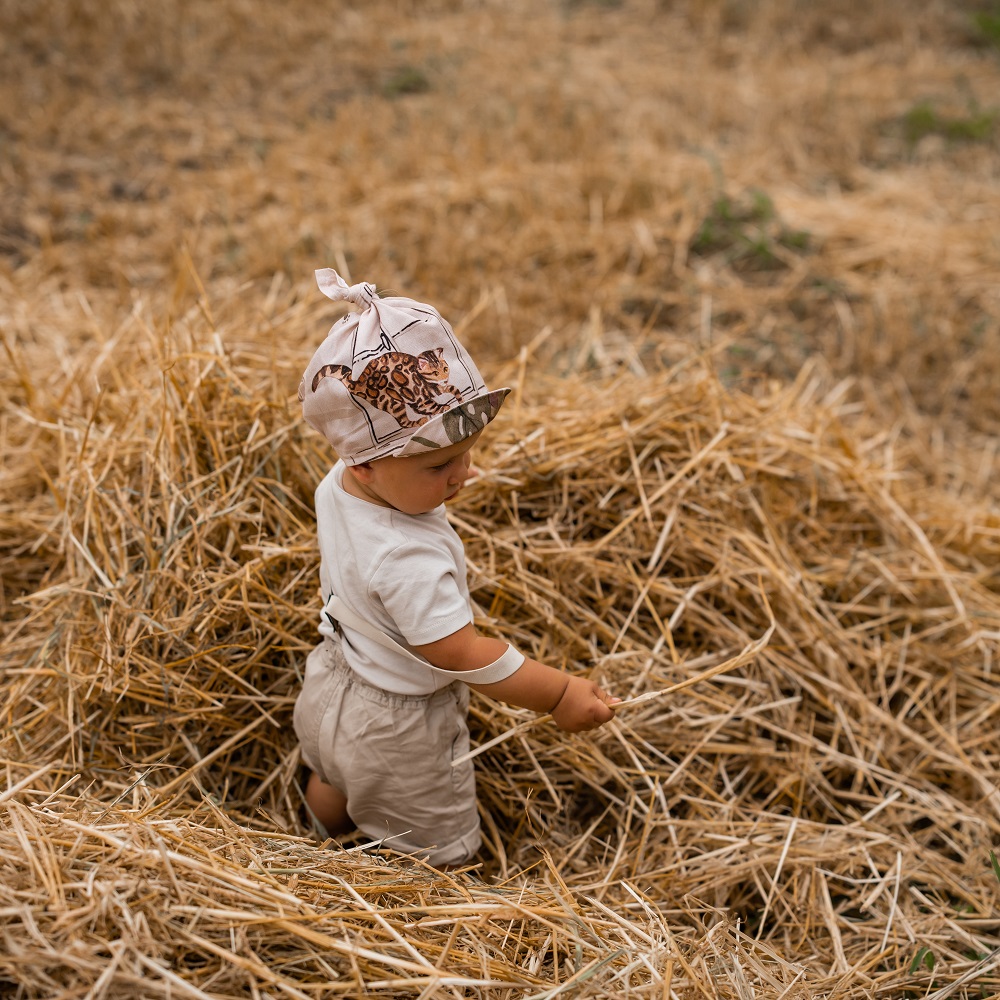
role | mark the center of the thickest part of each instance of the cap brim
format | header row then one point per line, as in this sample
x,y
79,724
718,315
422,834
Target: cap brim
x,y
456,424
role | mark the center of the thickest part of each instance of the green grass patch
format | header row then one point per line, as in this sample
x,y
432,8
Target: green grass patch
x,y
924,119
406,80
748,233
986,25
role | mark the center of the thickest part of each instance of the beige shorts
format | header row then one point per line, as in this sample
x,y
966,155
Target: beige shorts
x,y
391,755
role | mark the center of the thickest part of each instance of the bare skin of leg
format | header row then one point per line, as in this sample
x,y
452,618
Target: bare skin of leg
x,y
329,806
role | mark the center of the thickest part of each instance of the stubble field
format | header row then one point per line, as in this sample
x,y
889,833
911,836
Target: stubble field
x,y
740,264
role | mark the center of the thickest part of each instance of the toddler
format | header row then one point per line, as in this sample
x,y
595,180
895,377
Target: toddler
x,y
382,711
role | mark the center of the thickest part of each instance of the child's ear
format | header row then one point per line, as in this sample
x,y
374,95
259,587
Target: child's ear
x,y
362,472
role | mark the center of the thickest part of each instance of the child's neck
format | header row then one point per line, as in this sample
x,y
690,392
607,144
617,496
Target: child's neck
x,y
358,490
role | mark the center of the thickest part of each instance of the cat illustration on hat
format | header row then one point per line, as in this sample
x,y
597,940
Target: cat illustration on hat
x,y
397,381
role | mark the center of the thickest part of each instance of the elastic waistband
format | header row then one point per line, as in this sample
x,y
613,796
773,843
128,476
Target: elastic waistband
x,y
390,699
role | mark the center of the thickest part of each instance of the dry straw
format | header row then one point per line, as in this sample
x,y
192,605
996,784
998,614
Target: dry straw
x,y
751,492
797,797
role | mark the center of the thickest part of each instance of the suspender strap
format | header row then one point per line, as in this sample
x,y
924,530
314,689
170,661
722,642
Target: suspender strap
x,y
499,670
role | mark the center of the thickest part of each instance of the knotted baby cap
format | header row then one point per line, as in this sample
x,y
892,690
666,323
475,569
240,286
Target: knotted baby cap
x,y
392,379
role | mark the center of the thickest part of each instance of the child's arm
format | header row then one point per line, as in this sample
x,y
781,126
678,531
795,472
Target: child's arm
x,y
576,704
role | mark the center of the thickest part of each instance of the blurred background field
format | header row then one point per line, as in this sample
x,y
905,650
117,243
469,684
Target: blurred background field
x,y
741,264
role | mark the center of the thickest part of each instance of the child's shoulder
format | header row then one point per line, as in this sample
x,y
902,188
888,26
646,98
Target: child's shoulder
x,y
388,527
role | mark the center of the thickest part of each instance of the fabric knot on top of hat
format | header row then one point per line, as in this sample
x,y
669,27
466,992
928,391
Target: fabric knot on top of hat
x,y
333,286
392,379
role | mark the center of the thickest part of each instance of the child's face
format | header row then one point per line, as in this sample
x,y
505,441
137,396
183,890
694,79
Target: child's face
x,y
416,484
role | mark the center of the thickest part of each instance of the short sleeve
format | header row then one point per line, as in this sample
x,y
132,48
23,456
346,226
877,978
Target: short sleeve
x,y
420,588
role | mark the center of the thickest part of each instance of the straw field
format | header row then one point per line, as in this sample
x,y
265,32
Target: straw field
x,y
739,262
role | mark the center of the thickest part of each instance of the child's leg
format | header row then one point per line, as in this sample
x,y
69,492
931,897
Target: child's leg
x,y
328,805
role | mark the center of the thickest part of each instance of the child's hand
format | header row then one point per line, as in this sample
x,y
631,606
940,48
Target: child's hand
x,y
583,705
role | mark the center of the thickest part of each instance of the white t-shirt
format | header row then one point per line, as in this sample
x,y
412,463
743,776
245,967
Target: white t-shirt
x,y
403,573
